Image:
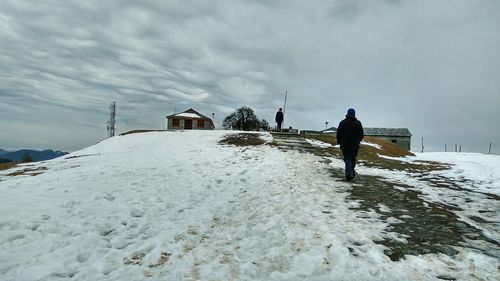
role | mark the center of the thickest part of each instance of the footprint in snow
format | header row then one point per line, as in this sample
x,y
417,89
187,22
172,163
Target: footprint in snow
x,y
83,257
109,197
68,204
33,226
13,238
137,213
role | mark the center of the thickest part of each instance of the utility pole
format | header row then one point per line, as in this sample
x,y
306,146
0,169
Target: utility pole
x,y
326,125
422,145
489,150
284,109
445,150
213,119
112,121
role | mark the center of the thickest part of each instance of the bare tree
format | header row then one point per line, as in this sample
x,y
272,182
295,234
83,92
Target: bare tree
x,y
264,124
242,119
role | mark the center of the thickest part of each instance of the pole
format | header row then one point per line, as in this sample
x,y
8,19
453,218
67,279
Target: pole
x,y
489,150
112,121
445,150
422,145
284,109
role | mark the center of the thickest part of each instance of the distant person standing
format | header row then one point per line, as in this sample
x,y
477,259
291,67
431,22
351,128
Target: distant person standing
x,y
349,135
279,119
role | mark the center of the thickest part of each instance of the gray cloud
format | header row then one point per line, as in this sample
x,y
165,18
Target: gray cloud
x,y
426,65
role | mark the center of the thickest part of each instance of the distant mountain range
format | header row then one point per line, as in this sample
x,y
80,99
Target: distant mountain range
x,y
36,155
2,160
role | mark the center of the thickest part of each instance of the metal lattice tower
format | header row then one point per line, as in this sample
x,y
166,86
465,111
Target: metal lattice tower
x,y
112,121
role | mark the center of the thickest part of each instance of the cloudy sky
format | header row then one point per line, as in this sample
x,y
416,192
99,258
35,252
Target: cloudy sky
x,y
430,66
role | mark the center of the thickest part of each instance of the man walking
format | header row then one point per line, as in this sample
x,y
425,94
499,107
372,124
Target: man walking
x,y
349,135
279,119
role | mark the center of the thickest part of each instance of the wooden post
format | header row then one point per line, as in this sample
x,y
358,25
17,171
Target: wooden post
x,y
489,150
422,145
460,149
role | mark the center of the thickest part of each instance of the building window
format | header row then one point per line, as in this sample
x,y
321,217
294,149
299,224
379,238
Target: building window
x,y
201,124
175,123
394,141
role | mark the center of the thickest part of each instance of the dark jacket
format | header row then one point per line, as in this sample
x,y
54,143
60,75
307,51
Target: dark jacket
x,y
349,134
279,117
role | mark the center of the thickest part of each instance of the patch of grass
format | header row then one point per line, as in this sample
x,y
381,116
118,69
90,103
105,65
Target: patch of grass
x,y
78,156
28,171
140,131
371,156
134,260
6,166
242,139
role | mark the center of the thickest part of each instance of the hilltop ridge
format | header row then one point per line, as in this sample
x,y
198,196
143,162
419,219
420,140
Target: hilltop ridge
x,y
246,206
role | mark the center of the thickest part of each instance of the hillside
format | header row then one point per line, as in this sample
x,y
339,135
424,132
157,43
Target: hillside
x,y
220,205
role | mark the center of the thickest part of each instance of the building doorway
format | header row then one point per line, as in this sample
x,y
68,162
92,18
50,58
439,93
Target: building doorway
x,y
188,124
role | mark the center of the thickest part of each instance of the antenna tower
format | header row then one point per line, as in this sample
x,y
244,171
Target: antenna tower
x,y
112,121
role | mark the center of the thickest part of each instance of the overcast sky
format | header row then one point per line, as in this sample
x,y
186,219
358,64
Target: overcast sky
x,y
430,66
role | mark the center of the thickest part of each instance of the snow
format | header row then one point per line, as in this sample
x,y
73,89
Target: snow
x,y
180,206
318,143
188,115
371,144
321,144
482,170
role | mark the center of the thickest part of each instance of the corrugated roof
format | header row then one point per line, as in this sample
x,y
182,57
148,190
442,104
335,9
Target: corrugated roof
x,y
395,132
331,129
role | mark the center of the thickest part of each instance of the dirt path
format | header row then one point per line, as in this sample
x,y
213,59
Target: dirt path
x,y
417,225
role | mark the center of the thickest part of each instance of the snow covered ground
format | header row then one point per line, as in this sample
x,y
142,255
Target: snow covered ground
x,y
180,206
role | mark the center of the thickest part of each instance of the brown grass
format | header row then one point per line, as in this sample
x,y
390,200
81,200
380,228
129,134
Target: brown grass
x,y
78,156
28,171
135,259
242,139
162,260
6,166
370,155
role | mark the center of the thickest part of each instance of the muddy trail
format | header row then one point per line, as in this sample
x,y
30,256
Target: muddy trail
x,y
415,225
